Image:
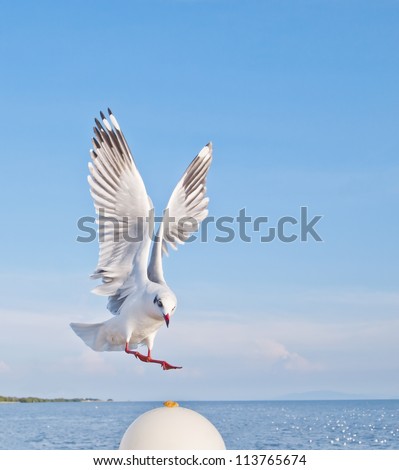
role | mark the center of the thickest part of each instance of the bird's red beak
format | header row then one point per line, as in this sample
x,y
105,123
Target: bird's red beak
x,y
166,317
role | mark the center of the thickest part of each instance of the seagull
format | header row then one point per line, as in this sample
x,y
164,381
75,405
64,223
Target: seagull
x,y
130,257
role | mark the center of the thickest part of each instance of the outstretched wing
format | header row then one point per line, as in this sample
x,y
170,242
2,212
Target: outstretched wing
x,y
122,205
186,208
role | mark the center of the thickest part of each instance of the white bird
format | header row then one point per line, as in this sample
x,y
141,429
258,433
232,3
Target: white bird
x,y
139,297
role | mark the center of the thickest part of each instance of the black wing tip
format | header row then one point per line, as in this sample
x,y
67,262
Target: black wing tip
x,y
95,142
102,115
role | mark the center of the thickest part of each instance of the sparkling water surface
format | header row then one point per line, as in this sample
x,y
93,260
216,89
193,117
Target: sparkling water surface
x,y
257,425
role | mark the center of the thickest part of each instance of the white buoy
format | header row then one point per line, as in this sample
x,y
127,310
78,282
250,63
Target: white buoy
x,y
172,428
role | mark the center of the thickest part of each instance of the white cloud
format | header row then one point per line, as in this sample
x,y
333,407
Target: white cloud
x,y
276,352
247,343
89,362
216,348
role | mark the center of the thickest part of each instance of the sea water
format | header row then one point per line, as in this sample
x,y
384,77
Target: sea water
x,y
255,425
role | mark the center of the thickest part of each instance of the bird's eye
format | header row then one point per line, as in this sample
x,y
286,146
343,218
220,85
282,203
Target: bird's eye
x,y
160,304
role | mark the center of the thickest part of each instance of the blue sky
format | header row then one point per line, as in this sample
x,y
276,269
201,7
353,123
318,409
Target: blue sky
x,y
300,99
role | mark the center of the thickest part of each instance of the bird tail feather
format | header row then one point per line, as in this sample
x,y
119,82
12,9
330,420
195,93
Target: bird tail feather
x,y
94,335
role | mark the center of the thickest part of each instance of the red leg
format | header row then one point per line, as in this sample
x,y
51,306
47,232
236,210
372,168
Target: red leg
x,y
165,365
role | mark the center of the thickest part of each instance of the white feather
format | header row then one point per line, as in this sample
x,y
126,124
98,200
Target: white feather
x,y
138,295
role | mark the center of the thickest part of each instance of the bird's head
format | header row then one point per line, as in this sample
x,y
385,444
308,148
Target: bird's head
x,y
165,304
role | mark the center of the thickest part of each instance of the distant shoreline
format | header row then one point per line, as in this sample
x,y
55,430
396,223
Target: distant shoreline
x,y
4,399
285,399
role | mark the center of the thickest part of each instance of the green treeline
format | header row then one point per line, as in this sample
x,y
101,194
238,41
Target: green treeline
x,y
43,400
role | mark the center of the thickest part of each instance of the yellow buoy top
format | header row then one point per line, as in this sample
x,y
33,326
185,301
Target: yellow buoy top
x,y
170,404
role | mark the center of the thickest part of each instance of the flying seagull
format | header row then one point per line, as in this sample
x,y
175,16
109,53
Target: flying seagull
x,y
131,271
